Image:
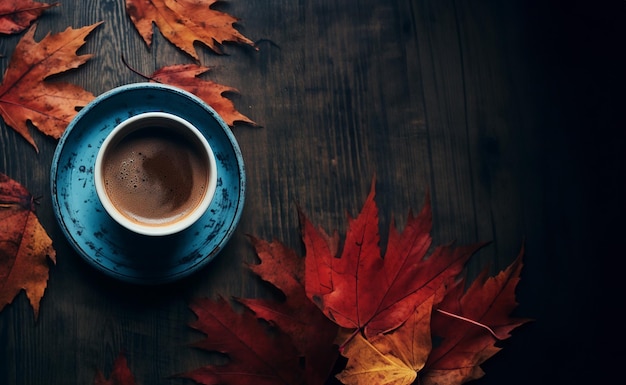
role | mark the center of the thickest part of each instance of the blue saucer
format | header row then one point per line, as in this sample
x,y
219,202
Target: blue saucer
x,y
108,246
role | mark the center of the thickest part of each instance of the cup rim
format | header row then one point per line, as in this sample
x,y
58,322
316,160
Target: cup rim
x,y
147,229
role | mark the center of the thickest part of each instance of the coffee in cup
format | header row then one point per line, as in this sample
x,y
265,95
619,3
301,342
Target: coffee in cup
x,y
155,174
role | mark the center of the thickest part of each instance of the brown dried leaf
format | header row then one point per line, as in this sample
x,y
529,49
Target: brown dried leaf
x,y
184,22
185,76
26,96
17,15
24,246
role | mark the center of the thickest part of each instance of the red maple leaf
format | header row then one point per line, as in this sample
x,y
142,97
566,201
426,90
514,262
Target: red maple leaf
x,y
256,356
301,335
365,291
470,324
312,333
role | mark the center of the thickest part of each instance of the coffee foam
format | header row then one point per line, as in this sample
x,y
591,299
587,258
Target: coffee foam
x,y
153,177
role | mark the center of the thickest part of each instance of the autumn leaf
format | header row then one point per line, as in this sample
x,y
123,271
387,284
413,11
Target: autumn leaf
x,y
17,15
24,246
365,291
368,365
392,358
26,96
183,22
470,324
185,76
256,356
442,341
311,332
120,374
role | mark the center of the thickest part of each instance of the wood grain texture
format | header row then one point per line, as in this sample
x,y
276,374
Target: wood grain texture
x,y
505,112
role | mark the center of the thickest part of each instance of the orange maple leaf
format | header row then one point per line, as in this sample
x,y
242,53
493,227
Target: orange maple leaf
x,y
185,76
24,246
17,15
120,374
25,96
184,22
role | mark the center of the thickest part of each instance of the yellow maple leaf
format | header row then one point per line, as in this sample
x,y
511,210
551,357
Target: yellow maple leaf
x,y
392,358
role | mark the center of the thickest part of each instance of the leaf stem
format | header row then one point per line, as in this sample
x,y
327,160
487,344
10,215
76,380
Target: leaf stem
x,y
343,345
490,330
137,72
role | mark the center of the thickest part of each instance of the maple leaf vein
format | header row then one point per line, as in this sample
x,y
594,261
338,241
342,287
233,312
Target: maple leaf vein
x,y
38,64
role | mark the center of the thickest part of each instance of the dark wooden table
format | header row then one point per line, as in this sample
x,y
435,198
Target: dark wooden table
x,y
509,112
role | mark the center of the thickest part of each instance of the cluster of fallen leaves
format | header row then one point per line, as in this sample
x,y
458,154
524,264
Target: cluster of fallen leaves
x,y
408,316
397,319
27,96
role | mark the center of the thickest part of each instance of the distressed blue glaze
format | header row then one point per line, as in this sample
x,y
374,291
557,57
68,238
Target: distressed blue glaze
x,y
106,245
